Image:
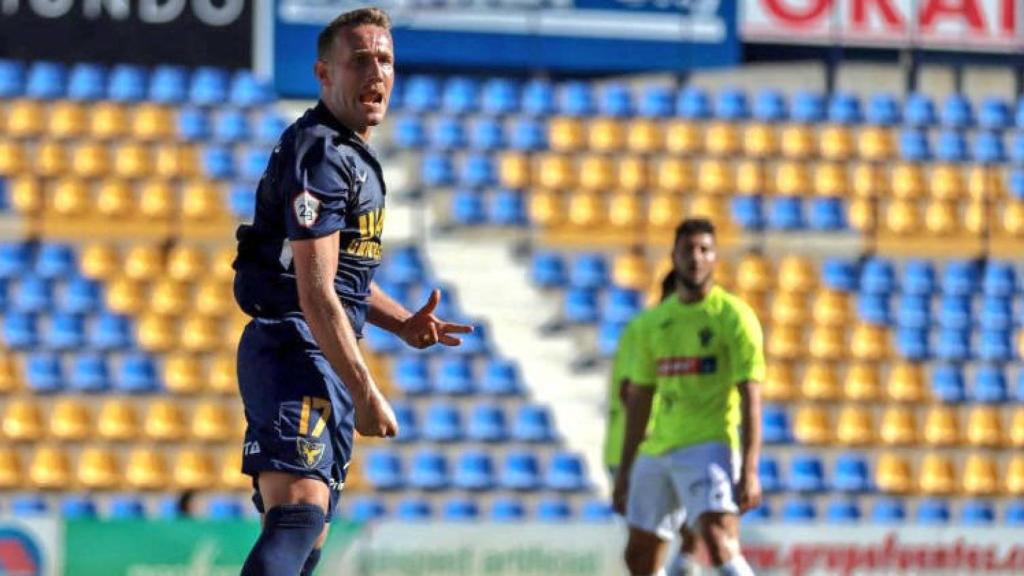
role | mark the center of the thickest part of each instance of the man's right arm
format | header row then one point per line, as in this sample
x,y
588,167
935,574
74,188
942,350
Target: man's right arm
x,y
316,262
638,411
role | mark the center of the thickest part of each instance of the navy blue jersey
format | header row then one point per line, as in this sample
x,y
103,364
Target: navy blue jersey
x,y
321,178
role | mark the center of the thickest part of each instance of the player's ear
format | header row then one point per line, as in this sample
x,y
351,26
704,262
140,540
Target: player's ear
x,y
321,71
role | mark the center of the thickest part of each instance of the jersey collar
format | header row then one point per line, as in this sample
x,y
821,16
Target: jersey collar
x,y
325,117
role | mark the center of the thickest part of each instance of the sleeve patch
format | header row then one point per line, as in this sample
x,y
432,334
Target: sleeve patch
x,y
307,209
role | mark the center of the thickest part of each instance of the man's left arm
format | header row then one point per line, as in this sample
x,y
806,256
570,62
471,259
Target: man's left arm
x,y
420,330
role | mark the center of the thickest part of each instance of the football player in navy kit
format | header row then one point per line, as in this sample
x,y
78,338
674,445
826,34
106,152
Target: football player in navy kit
x,y
304,272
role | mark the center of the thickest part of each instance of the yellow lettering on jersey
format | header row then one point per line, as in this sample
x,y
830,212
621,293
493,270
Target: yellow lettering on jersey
x,y
367,245
322,407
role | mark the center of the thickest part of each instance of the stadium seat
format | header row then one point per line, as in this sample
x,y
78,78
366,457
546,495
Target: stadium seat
x,y
70,420
796,509
117,420
67,120
855,426
519,471
194,470
384,470
22,421
474,470
366,508
932,511
913,312
532,423
874,309
49,468
693,103
788,309
78,507
977,513
769,474
596,511
586,210
1015,436
888,511
683,138
953,345
892,474
836,143
806,473
850,473
941,426
644,136
938,476
565,472
760,141
875,144
731,104
984,426
989,385
956,112
428,470
212,422
906,382
157,333
775,425
981,476
566,134
499,96
779,383
842,510
797,142
831,308
460,509
223,507
507,509
501,378
44,372
882,109
136,374
722,139
164,421
606,135
442,423
827,344
811,426
126,507
25,119
554,172
552,510
575,98
899,426
1014,479
29,506
528,135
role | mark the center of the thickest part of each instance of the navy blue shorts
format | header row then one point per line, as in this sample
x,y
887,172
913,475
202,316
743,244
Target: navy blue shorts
x,y
299,414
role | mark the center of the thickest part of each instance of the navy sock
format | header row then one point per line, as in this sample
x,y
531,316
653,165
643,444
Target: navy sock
x,y
311,562
289,532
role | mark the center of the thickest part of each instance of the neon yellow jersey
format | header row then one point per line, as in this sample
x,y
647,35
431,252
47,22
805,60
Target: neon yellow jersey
x,y
695,355
616,430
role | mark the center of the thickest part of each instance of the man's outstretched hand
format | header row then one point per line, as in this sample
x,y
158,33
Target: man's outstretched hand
x,y
423,329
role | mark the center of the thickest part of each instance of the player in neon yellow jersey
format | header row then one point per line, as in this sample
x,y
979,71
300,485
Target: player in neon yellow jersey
x,y
700,354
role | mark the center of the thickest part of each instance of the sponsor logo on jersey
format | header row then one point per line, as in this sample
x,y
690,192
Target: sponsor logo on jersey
x,y
681,366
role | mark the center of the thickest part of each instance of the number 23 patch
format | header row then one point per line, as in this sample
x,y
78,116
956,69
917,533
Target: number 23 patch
x,y
307,209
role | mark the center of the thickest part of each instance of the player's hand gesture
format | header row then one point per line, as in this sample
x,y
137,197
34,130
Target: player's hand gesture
x,y
374,416
423,329
749,496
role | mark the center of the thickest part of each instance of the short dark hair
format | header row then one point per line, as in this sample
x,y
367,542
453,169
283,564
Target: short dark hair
x,y
668,284
692,226
371,15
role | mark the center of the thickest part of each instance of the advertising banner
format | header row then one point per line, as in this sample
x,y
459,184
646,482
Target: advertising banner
x,y
30,547
557,35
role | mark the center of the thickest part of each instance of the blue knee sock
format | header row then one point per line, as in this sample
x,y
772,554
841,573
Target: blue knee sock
x,y
289,532
311,562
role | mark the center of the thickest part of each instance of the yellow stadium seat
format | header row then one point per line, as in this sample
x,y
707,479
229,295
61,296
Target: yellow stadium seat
x,y
892,474
631,174
565,134
751,178
132,160
10,375
70,197
547,209
554,172
946,182
941,217
91,160
985,182
596,173
22,421
186,263
937,475
788,309
902,217
942,426
674,175
758,301
906,382
870,181
1013,218
114,199
169,297
194,470
223,257
683,137
820,382
11,474
797,274
70,420
50,468
984,427
1015,434
785,343
759,141
827,343
779,382
862,382
202,334
212,422
202,201
231,477
664,211
157,200
164,421
811,426
168,161
792,179
714,208
214,298
117,420
831,308
715,177
223,374
146,469
66,120
1014,483
99,261
189,163
754,272
836,142
978,216
108,121
875,143
625,211
143,262
644,136
830,179
899,426
124,296
869,342
908,181
183,373
606,135
12,158
98,469
157,333
981,476
724,275
631,270
856,427
25,119
27,196
51,160
514,170
152,122
798,142
722,139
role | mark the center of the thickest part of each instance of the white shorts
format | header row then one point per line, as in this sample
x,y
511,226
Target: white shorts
x,y
679,486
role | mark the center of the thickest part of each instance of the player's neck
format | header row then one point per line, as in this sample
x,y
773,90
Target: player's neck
x,y
693,295
363,132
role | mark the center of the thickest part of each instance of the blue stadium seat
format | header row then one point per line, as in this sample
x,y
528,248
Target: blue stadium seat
x,y
948,383
580,306
242,200
64,332
487,134
999,279
656,102
109,331
499,96
253,163
1014,514
468,207
168,84
806,473
553,510
44,373
693,104
844,108
414,509
954,312
218,162
32,294
1016,151
507,509
731,104
977,513
137,374
887,510
1018,388
247,90
798,510
29,505
919,111
269,126
996,313
566,472
429,470
615,100
913,312
208,86
913,344
988,148
769,106
932,511
79,295
224,507
384,470
474,470
589,270
478,171
89,373
454,376
45,80
366,508
547,270
193,124
775,425
839,274
621,304
442,423
850,473
951,146
873,308
15,259
437,170
459,95
576,98
953,345
768,472
532,423
808,107
994,114
408,424
501,378
759,515
507,208
995,346
608,334
12,78
528,135
87,81
446,133
956,112
126,507
231,125
883,110
918,278
826,214
519,471
486,423
20,331
78,507
127,83
410,132
406,265
842,510
422,94
877,277
460,509
538,98
475,342
597,511
914,145
748,212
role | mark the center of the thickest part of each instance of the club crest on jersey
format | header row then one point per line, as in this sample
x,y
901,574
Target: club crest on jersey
x,y
310,451
307,209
